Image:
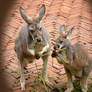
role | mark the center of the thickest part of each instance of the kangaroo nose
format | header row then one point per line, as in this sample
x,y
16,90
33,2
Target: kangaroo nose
x,y
37,56
53,54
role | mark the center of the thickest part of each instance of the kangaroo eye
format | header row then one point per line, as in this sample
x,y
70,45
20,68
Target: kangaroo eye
x,y
61,41
40,28
32,31
58,46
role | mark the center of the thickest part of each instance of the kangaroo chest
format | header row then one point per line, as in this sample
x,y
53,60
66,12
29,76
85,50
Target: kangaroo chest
x,y
39,49
74,70
71,66
30,55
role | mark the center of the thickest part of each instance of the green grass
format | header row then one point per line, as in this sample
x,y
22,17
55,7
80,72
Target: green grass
x,y
77,87
39,84
33,90
90,87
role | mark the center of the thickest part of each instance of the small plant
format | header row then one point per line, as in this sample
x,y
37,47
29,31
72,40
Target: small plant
x,y
33,90
17,81
77,87
90,87
41,77
16,72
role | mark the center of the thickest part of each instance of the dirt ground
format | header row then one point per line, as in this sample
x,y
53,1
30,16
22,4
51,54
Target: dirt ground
x,y
38,86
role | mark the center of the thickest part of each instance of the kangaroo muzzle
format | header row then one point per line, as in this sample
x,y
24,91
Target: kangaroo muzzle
x,y
37,56
38,40
54,54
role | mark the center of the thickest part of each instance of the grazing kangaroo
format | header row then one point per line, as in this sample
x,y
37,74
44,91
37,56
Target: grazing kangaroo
x,y
75,59
32,42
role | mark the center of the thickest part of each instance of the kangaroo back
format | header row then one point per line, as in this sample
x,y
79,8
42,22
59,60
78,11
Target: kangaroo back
x,y
79,55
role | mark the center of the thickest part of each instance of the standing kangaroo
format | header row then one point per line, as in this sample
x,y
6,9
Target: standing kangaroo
x,y
32,42
75,59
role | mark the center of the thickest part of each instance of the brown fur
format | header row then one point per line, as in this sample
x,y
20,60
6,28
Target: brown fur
x,y
77,61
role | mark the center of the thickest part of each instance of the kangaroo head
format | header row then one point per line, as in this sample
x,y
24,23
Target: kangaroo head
x,y
62,42
33,23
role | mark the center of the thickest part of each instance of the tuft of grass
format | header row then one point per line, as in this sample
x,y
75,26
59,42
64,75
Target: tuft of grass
x,y
36,84
33,90
77,87
16,72
41,77
17,81
90,87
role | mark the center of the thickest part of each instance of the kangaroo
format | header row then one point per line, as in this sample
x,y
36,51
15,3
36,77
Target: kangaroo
x,y
32,42
75,59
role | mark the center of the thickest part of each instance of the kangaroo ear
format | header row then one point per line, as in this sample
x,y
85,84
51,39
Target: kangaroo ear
x,y
24,16
70,32
62,29
41,12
